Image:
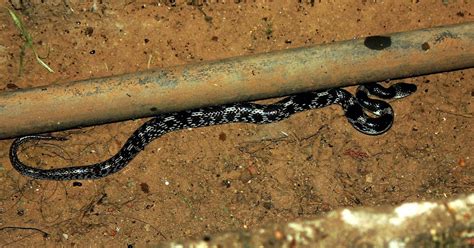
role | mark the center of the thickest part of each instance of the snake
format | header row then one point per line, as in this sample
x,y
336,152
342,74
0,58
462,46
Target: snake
x,y
367,115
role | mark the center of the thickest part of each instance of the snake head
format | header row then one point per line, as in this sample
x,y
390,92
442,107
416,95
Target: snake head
x,y
403,89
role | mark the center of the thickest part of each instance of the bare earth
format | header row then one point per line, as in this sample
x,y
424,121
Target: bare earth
x,y
195,182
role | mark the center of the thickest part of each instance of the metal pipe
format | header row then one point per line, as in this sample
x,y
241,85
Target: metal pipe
x,y
245,78
413,224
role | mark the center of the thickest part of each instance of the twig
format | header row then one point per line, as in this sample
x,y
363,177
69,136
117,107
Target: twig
x,y
456,114
45,234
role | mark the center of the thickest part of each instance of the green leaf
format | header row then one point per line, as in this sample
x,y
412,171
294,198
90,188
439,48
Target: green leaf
x,y
28,42
43,64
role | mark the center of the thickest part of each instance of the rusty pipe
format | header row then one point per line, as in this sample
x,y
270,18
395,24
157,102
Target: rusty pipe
x,y
245,78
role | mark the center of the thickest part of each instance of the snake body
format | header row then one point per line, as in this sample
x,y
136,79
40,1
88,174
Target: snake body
x,y
354,109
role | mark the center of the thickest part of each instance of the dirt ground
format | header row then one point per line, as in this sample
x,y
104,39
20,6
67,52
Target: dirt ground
x,y
192,183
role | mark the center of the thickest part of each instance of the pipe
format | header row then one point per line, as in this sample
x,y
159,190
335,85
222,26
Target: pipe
x,y
246,78
412,224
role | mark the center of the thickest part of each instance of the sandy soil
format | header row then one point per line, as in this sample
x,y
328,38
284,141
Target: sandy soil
x,y
195,182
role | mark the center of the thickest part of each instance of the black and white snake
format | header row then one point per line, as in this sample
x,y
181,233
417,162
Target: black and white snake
x,y
354,109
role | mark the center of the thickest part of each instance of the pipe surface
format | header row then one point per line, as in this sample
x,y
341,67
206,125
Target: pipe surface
x,y
246,78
